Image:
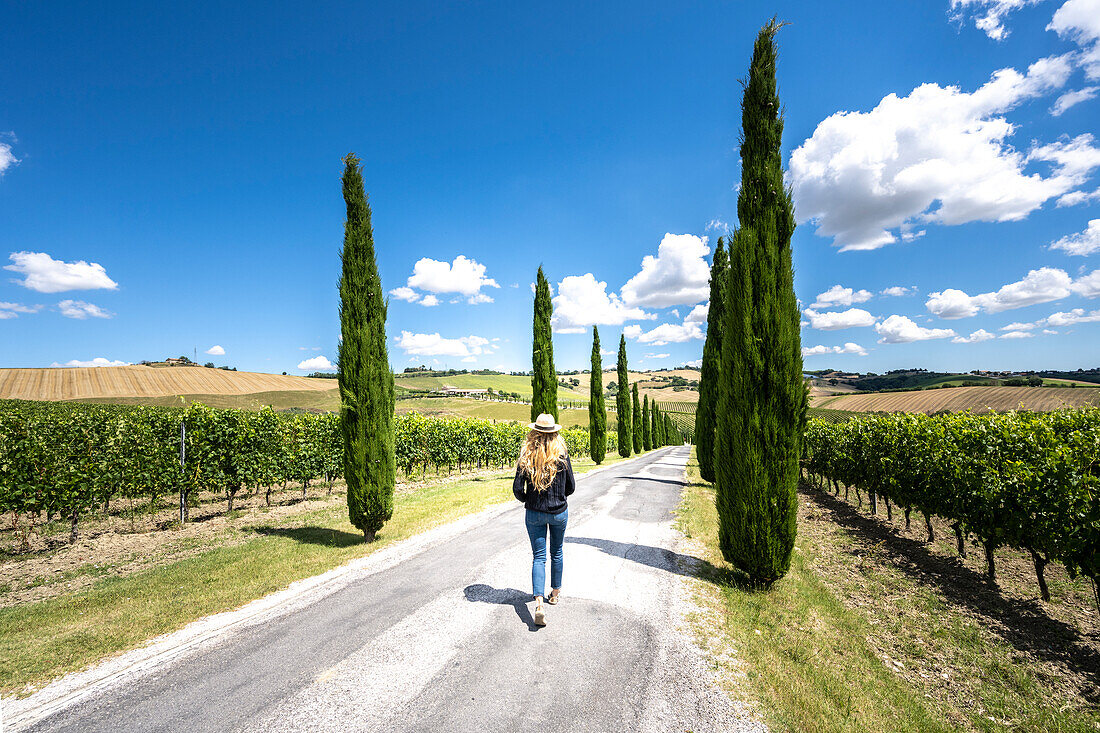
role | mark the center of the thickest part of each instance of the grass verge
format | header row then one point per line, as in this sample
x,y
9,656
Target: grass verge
x,y
39,641
855,638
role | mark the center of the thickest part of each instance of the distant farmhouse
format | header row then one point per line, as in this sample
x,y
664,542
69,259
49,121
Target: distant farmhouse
x,y
460,392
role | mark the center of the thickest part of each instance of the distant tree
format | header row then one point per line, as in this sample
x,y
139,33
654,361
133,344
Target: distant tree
x,y
636,421
647,426
597,413
761,404
210,365
622,404
544,381
710,372
366,382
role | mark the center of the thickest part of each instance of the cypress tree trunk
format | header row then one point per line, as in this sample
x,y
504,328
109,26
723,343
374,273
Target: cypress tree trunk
x,y
709,373
647,427
636,420
544,380
622,404
597,413
762,401
365,378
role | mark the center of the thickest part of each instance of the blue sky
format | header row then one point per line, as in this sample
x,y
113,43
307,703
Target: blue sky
x,y
169,178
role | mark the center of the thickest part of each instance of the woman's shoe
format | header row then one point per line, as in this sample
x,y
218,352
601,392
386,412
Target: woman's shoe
x,y
540,615
552,599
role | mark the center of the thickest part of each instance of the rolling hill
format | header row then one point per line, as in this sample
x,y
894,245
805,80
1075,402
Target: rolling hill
x,y
978,399
134,383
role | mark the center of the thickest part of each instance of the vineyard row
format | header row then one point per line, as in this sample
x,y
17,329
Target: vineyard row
x,y
64,459
1025,480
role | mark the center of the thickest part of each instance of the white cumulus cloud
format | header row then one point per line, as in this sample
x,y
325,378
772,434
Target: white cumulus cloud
x,y
464,276
47,275
81,310
1087,285
848,348
1082,243
988,15
897,291
902,330
1038,286
938,155
657,356
1079,21
698,314
216,350
976,337
951,303
7,158
433,344
1069,318
666,333
405,293
678,275
12,310
317,364
1073,198
99,361
1072,99
838,295
583,301
834,320
1017,335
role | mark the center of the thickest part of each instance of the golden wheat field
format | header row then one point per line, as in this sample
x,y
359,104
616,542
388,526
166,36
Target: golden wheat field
x,y
978,399
142,381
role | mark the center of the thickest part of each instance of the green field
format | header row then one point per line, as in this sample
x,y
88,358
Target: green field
x,y
496,382
462,407
312,400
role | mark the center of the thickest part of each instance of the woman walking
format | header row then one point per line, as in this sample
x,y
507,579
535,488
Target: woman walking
x,y
544,477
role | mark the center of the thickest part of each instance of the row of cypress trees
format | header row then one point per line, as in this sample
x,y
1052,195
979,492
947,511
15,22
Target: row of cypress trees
x,y
640,426
752,400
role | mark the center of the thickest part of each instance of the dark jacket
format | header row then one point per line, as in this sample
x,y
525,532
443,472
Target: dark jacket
x,y
551,501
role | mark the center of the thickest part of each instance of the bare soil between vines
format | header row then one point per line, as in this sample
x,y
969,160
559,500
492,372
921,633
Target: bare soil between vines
x,y
909,588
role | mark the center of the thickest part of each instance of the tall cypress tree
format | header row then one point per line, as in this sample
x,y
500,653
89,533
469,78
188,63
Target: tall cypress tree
x,y
544,380
365,377
709,375
761,401
647,426
636,421
622,403
597,413
656,417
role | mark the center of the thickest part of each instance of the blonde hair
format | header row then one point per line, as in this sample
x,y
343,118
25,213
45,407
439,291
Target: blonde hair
x,y
540,458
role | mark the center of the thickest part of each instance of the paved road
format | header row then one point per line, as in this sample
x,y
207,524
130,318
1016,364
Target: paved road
x,y
444,640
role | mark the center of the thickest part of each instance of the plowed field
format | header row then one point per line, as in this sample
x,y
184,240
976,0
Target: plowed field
x,y
143,381
978,399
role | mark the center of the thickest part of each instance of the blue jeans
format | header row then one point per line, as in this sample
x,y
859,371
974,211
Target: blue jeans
x,y
537,523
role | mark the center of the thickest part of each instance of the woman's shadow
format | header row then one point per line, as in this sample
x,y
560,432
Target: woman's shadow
x,y
481,593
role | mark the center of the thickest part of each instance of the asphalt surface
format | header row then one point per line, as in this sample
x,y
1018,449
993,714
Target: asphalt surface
x,y
445,639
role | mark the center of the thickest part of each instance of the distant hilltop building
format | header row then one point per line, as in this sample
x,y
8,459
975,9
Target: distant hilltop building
x,y
460,392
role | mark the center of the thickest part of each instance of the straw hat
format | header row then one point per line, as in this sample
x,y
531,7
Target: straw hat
x,y
544,424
